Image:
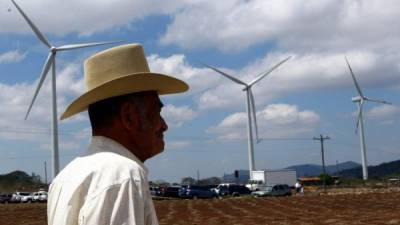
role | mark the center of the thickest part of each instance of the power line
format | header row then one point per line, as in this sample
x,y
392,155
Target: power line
x,y
41,131
76,133
34,157
287,139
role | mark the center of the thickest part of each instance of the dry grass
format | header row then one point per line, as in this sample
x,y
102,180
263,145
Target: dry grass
x,y
338,207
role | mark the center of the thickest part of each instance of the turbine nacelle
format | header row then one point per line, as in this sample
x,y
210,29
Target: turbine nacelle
x,y
356,99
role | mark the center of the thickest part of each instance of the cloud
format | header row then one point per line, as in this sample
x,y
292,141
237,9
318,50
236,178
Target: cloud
x,y
221,97
83,17
65,145
16,98
12,56
328,24
176,116
318,34
70,84
176,65
391,151
384,112
70,80
226,25
304,72
176,145
274,121
283,115
83,134
15,104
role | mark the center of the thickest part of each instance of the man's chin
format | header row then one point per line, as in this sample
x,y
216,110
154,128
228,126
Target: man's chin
x,y
160,149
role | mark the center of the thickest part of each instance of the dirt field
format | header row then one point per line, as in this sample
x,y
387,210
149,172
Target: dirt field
x,y
343,208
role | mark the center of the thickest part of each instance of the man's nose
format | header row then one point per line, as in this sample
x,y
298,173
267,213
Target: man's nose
x,y
164,125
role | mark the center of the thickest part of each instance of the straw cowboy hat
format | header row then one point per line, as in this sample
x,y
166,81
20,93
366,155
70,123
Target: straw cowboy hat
x,y
118,71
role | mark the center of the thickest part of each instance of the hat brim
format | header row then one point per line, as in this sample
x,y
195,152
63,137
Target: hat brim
x,y
132,83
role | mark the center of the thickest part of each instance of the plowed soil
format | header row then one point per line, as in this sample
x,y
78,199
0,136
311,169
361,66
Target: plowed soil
x,y
343,208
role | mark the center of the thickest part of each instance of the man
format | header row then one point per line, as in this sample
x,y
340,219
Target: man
x,y
108,185
297,186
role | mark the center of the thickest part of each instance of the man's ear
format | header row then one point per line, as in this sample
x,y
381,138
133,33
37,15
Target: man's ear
x,y
129,116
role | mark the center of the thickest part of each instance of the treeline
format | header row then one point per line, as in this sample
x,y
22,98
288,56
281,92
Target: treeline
x,y
381,171
202,182
20,181
189,181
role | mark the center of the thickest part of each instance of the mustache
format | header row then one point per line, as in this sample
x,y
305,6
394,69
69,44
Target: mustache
x,y
160,134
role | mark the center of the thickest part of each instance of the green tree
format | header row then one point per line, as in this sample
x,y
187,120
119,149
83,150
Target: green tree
x,y
210,181
328,179
188,181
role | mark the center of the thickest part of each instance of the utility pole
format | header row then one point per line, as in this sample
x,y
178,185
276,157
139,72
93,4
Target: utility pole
x,y
337,168
322,139
198,176
45,172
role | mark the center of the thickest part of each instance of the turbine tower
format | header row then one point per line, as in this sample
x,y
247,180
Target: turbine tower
x,y
250,106
51,62
360,123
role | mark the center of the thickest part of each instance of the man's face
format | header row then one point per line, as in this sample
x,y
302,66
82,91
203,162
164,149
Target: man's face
x,y
152,126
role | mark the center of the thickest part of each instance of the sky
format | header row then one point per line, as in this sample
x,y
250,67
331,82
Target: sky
x,y
307,96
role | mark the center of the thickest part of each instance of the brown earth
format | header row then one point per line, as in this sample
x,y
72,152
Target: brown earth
x,y
343,208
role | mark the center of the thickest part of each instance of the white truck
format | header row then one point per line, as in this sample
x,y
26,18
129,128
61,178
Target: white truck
x,y
271,177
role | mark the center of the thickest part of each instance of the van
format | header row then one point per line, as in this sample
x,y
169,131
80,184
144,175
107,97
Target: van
x,y
273,190
232,190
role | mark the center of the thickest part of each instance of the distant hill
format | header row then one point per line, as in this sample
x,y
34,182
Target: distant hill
x,y
379,171
315,170
346,169
21,181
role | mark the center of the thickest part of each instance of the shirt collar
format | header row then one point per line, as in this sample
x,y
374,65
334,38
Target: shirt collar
x,y
104,144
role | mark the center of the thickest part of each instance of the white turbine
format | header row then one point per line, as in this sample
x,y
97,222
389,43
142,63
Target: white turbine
x,y
51,62
251,109
360,123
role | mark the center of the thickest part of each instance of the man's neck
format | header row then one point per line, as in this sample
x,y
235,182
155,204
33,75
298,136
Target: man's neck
x,y
124,141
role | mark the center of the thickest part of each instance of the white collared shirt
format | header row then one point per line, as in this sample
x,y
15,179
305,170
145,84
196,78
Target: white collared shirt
x,y
106,186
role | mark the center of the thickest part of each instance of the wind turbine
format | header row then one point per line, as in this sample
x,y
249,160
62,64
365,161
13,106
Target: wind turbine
x,y
251,109
360,123
51,62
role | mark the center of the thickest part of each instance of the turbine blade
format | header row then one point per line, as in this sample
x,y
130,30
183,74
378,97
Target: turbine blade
x,y
378,101
354,79
226,75
253,109
46,67
262,75
34,28
359,115
75,46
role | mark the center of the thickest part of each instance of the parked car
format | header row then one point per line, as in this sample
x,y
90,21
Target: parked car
x,y
233,190
155,191
40,196
222,186
195,192
5,197
273,190
21,197
43,197
26,197
172,191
